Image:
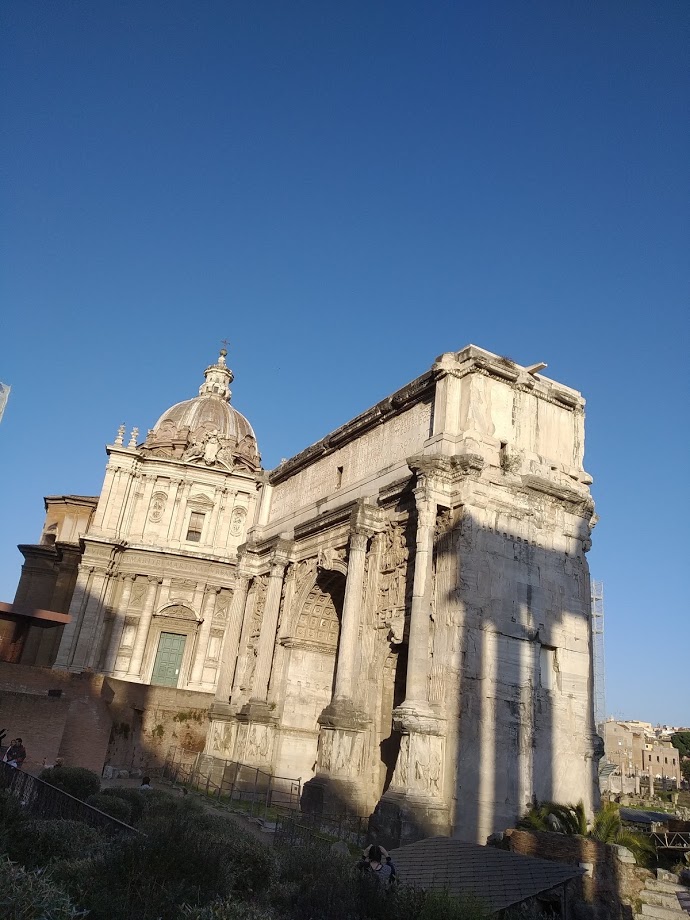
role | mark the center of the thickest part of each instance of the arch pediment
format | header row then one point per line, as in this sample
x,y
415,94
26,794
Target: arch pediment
x,y
178,612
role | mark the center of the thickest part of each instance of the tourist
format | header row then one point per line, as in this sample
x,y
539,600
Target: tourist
x,y
146,783
15,755
376,861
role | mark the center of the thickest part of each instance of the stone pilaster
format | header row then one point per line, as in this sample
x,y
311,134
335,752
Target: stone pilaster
x,y
119,617
77,607
143,628
84,652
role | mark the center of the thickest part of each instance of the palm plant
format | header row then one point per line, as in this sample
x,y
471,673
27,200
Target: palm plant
x,y
607,826
552,816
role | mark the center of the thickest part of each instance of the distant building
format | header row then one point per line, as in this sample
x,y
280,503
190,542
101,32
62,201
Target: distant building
x,y
634,749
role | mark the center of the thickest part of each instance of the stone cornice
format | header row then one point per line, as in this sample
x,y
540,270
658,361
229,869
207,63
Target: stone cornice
x,y
555,490
388,408
474,360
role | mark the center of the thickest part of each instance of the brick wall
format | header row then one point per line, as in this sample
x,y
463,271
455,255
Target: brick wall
x,y
147,721
57,714
90,720
610,888
38,720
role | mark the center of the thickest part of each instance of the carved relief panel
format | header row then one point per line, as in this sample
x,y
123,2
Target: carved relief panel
x,y
394,584
237,522
157,507
257,599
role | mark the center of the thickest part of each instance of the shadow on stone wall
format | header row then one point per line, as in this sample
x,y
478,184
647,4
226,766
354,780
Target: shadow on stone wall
x,y
612,883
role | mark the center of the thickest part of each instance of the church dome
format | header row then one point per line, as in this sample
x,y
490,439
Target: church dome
x,y
206,429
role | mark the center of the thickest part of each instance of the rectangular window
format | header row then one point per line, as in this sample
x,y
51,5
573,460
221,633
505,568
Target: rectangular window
x,y
338,477
196,525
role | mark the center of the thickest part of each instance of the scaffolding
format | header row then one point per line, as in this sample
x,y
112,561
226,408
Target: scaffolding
x,y
598,652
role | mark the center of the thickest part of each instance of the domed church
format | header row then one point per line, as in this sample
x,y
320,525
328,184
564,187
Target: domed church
x,y
155,579
399,615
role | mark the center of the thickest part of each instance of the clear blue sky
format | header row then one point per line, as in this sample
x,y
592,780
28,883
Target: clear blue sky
x,y
344,191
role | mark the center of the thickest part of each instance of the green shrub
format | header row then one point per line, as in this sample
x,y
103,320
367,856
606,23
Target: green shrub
x,y
42,842
115,807
78,781
227,910
181,858
32,896
11,812
138,801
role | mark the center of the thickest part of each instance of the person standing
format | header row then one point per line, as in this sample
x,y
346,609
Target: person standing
x,y
15,755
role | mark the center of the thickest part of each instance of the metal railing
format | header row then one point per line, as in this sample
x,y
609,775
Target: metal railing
x,y
307,829
41,800
251,790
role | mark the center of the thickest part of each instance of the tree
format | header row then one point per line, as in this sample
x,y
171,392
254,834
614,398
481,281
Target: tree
x,y
681,741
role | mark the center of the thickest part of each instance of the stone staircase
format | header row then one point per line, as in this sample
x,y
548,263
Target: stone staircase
x,y
663,898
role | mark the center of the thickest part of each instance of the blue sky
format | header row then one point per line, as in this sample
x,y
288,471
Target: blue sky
x,y
344,191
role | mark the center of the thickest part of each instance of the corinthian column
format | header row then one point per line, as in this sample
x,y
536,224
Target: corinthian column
x,y
119,616
416,694
204,636
143,628
269,625
341,711
231,639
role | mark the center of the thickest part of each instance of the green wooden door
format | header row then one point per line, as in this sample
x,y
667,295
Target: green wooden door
x,y
166,670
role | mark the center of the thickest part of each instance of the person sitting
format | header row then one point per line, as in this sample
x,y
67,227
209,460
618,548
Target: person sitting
x,y
146,783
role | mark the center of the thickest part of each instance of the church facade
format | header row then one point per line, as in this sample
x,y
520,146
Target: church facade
x,y
399,615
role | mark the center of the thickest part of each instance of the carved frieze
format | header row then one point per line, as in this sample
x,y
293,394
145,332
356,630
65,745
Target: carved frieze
x,y
259,590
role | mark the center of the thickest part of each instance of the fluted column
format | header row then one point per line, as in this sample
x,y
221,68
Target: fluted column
x,y
349,627
416,688
119,617
231,639
269,625
204,635
143,628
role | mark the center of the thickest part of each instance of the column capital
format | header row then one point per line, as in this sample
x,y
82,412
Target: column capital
x,y
280,556
366,518
127,576
154,579
359,540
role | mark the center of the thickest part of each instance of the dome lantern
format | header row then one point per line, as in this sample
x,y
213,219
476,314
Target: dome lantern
x,y
206,430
